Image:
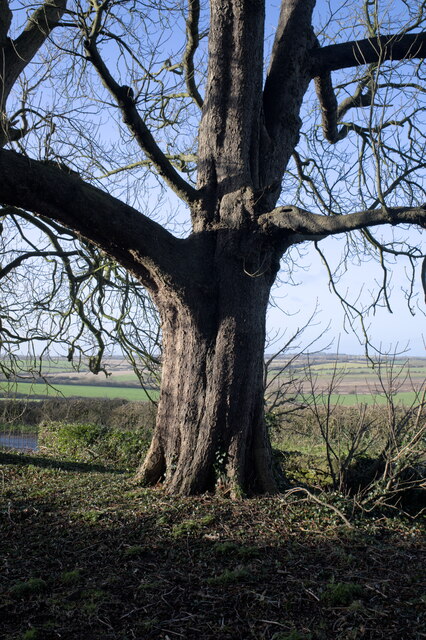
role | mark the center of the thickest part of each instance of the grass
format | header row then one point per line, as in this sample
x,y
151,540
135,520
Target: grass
x,y
31,390
370,399
87,553
49,365
351,399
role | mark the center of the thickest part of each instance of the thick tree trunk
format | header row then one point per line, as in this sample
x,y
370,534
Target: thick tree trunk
x,y
210,427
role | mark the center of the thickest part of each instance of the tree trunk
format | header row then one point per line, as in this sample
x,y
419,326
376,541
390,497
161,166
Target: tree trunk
x,y
210,429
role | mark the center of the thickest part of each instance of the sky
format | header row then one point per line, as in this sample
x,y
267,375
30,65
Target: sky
x,y
294,305
397,331
389,332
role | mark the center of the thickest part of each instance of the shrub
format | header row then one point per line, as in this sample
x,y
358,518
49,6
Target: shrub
x,y
111,412
94,442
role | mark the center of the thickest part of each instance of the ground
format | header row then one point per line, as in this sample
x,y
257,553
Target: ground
x,y
86,553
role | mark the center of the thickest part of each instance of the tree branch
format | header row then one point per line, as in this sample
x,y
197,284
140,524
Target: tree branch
x,y
373,51
368,51
286,82
124,98
423,276
332,113
19,52
299,225
4,271
5,21
138,243
192,40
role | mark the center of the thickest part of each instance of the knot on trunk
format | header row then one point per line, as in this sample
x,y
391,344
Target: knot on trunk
x,y
236,209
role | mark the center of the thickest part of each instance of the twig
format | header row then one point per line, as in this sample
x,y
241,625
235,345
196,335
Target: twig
x,y
320,502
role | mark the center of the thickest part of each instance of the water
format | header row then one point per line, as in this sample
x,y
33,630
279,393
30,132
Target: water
x,y
22,441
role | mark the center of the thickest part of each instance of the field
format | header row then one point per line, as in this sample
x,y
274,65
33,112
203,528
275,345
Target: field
x,y
350,380
61,379
40,390
355,380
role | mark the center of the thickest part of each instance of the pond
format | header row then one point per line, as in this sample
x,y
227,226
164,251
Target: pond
x,y
22,441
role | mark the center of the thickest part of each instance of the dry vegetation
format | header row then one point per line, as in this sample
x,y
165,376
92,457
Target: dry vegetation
x,y
88,554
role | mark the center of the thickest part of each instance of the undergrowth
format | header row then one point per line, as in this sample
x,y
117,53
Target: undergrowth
x,y
86,553
94,442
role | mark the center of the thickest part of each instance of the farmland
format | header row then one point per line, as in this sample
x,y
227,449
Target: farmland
x,y
61,379
43,390
354,380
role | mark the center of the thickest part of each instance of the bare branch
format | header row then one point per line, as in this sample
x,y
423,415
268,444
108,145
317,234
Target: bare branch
x,y
332,113
350,310
285,86
192,40
72,284
320,502
19,52
424,276
124,98
180,159
122,232
5,21
4,271
368,51
311,226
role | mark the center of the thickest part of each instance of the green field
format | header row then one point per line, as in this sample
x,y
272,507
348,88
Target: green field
x,y
406,398
356,379
29,390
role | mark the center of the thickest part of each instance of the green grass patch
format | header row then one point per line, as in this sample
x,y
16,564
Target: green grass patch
x,y
348,400
28,588
187,527
39,390
229,576
342,594
352,399
71,577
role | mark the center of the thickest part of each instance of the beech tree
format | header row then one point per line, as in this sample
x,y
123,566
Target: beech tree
x,y
262,163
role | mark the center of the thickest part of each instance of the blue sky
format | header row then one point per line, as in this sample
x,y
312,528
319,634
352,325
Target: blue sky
x,y
389,331
400,329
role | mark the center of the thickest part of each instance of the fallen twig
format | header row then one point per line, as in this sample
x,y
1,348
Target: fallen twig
x,y
320,502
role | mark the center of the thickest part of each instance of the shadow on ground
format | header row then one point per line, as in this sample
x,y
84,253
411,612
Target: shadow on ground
x,y
22,459
92,556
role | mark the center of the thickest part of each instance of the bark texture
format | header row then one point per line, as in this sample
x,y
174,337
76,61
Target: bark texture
x,y
210,430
